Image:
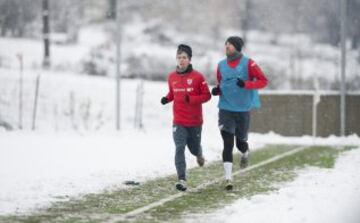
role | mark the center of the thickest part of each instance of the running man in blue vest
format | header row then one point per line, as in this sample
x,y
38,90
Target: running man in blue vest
x,y
238,77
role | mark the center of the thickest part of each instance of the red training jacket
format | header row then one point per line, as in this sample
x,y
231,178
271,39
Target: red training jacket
x,y
194,85
257,78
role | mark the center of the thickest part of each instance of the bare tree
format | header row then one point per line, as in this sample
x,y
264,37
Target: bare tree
x,y
354,23
16,16
46,33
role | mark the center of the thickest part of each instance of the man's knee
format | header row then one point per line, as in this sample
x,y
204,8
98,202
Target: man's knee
x,y
242,145
194,144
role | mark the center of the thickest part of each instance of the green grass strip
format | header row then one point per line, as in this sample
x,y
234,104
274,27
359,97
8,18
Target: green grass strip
x,y
98,207
264,179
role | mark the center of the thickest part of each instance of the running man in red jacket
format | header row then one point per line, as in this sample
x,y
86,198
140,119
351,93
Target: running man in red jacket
x,y
188,90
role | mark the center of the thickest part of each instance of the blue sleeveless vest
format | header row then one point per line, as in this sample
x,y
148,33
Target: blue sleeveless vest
x,y
233,98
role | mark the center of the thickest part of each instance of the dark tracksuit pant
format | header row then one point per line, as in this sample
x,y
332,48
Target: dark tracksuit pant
x,y
185,136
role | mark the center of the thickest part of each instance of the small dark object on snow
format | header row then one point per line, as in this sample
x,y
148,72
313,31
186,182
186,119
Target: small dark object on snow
x,y
131,183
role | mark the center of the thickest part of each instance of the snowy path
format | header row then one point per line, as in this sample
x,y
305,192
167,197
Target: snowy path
x,y
317,195
39,168
143,209
36,168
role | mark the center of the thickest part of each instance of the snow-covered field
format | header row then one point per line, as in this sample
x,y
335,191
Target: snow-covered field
x,y
38,168
289,60
63,57
67,155
68,101
59,161
317,195
76,151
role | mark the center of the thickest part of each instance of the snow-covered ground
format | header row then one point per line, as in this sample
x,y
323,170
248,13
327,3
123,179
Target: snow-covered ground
x,y
317,195
69,101
63,57
38,168
287,59
65,157
75,150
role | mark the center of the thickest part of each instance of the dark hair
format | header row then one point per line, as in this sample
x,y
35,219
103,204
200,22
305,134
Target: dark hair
x,y
236,41
186,49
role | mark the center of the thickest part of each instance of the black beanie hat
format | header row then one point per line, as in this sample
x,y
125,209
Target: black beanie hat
x,y
236,41
186,49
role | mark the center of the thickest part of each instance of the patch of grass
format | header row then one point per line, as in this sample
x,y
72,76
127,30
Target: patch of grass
x,y
261,180
97,207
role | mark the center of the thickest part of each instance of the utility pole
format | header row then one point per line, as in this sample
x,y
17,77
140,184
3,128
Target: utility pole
x,y
46,31
343,67
21,77
112,9
118,63
246,20
36,98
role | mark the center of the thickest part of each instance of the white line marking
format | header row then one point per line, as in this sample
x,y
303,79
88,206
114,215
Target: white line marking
x,y
123,217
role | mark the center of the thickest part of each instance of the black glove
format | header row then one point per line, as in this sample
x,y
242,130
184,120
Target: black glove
x,y
164,100
240,83
215,91
187,98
